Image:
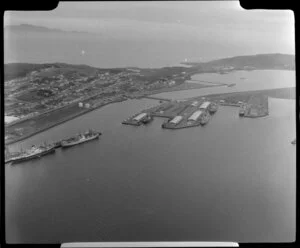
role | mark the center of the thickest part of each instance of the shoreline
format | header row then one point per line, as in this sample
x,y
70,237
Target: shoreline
x,y
59,123
144,96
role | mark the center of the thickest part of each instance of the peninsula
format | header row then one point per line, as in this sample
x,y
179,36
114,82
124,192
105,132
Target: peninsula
x,y
40,96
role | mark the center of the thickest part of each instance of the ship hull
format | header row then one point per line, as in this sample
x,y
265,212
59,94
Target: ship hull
x,y
30,157
65,144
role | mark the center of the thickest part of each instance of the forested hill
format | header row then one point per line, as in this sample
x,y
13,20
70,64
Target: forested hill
x,y
259,61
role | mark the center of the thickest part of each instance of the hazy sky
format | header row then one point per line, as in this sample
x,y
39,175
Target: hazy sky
x,y
217,28
196,18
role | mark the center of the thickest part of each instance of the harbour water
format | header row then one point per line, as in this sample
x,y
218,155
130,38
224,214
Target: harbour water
x,y
243,80
231,180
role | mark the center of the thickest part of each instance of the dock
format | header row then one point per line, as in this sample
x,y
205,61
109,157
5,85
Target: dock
x,y
179,114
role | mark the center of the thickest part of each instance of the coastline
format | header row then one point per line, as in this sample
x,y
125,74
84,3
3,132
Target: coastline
x,y
59,123
102,105
185,86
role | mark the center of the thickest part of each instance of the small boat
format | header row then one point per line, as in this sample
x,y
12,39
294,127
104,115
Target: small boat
x,y
80,138
230,85
294,142
34,152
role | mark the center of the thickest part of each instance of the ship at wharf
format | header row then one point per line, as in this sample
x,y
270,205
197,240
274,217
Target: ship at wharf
x,y
33,153
80,138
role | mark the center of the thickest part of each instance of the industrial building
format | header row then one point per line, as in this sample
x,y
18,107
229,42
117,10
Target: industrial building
x,y
204,105
195,115
140,117
176,119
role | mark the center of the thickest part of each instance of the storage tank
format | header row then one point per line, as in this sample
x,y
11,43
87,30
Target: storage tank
x,y
176,119
195,115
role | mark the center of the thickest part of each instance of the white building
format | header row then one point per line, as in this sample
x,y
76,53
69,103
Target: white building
x,y
195,103
176,119
204,105
9,119
140,116
195,115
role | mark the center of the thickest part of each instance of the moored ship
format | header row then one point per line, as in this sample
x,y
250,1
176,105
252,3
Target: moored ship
x,y
242,110
34,152
213,107
205,117
80,138
147,119
294,142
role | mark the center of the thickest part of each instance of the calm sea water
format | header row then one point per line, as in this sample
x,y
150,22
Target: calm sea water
x,y
101,51
232,180
244,80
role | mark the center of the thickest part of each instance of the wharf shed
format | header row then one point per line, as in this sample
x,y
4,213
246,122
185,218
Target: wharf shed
x,y
204,105
176,119
195,115
140,117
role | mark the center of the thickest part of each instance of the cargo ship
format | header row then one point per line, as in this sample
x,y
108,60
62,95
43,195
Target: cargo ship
x,y
34,152
205,117
213,107
242,110
80,138
57,144
147,119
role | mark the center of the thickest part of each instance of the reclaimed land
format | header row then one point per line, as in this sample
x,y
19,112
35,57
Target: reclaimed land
x,y
28,127
255,102
54,85
41,123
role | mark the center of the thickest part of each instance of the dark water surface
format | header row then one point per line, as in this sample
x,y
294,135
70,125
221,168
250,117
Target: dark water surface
x,y
232,180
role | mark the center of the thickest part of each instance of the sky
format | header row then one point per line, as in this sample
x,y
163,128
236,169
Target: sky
x,y
184,22
212,17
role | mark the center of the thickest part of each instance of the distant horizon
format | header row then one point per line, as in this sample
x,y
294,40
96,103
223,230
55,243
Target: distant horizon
x,y
147,34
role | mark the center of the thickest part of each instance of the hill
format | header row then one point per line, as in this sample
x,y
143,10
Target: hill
x,y
259,61
25,28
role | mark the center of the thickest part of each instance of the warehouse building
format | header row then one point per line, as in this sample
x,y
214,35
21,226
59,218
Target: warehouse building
x,y
195,115
176,119
204,105
140,117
